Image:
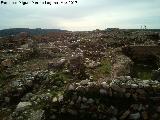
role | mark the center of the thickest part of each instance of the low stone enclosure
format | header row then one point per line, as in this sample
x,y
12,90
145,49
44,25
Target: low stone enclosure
x,y
121,97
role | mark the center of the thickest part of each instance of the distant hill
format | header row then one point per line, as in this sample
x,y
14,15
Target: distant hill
x,y
37,31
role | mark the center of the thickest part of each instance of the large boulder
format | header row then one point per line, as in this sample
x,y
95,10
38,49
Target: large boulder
x,y
23,105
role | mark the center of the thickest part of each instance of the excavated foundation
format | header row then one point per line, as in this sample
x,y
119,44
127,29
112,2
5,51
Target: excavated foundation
x,y
146,60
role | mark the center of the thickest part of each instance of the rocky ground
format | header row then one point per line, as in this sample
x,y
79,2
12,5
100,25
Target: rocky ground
x,y
80,75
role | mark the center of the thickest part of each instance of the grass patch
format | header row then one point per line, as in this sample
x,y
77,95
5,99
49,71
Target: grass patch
x,y
103,70
105,67
3,76
143,72
144,75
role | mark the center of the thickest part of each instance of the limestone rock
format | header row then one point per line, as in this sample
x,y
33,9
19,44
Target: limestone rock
x,y
71,87
55,99
23,105
135,116
125,115
103,91
37,115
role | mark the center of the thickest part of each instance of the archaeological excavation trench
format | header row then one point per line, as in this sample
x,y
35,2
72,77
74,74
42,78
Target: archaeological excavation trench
x,y
145,60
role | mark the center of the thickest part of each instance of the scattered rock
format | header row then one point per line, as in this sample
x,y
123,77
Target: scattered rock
x,y
37,115
23,105
72,112
84,99
135,116
55,99
90,101
71,87
103,91
104,85
7,99
125,115
113,111
84,82
59,64
60,98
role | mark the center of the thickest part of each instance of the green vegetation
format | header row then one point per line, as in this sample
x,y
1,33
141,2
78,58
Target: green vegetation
x,y
60,76
144,75
105,67
143,72
3,76
103,70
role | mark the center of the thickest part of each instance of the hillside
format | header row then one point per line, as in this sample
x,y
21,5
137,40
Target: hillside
x,y
37,31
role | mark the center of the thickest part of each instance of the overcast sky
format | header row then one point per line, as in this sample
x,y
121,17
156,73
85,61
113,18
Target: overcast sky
x,y
84,15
